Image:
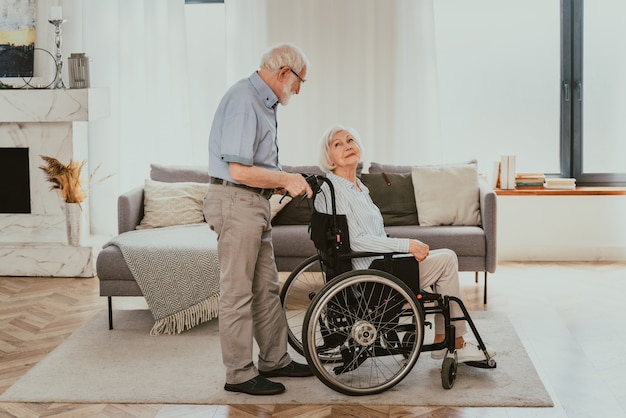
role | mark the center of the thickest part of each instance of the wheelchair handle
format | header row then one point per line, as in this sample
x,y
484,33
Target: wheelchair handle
x,y
315,183
311,180
316,186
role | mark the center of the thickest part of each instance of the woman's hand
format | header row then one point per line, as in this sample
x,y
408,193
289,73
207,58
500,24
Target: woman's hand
x,y
418,249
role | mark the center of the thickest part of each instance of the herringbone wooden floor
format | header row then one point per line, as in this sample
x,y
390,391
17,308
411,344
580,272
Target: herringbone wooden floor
x,y
37,314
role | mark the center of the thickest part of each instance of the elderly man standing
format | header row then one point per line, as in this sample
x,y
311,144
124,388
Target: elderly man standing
x,y
245,172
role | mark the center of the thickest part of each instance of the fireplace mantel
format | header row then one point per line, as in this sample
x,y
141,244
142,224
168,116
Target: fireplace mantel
x,y
57,105
55,123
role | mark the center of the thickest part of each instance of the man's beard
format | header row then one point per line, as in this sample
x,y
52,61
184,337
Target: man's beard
x,y
286,95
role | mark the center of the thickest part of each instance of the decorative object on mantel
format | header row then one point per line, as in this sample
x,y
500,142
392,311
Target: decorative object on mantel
x,y
22,57
28,80
66,178
57,20
78,67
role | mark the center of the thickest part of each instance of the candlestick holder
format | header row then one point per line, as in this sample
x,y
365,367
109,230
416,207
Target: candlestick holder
x,y
58,79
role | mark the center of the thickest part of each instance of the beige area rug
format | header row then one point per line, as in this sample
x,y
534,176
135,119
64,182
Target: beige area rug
x,y
127,365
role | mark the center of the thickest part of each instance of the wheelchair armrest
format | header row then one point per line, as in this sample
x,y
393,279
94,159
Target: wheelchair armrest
x,y
363,254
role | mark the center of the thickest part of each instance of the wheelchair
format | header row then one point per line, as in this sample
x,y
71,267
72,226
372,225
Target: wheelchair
x,y
362,331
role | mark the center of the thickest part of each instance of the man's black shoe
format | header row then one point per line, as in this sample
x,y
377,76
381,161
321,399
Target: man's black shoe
x,y
293,369
256,386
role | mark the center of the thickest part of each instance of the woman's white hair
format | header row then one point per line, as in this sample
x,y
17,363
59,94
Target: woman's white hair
x,y
325,164
284,55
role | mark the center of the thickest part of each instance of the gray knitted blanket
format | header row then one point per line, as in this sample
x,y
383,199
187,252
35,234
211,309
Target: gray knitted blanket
x,y
177,271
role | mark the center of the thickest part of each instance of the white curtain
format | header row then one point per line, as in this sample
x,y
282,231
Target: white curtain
x,y
372,67
138,50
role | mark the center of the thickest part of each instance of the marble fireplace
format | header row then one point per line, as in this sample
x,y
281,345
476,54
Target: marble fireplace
x,y
53,123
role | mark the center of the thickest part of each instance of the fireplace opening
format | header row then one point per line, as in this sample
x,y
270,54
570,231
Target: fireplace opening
x,y
14,171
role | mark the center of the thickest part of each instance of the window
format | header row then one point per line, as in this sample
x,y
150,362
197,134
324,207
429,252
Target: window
x,y
540,79
593,130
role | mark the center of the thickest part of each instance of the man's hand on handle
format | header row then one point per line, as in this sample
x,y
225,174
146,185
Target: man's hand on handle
x,y
297,185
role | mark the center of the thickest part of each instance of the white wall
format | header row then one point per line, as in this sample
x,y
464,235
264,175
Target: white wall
x,y
498,67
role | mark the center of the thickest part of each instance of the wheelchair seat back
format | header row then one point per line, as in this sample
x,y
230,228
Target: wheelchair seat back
x,y
329,233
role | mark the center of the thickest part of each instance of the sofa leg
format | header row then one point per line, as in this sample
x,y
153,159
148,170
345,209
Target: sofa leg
x,y
475,277
110,313
484,290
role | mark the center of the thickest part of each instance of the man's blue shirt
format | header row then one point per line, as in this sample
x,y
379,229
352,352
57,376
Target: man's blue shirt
x,y
244,128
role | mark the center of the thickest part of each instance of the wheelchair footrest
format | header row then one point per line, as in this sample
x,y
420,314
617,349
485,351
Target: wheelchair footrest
x,y
483,364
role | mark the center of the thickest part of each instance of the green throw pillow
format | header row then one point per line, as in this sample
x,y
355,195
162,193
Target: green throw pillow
x,y
394,195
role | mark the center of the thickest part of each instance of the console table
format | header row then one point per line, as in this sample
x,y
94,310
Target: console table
x,y
583,224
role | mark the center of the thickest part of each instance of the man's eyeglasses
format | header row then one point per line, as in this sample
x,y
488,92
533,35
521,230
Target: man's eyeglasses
x,y
302,80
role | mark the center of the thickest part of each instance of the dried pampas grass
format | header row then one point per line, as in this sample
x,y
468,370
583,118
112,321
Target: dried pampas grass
x,y
66,178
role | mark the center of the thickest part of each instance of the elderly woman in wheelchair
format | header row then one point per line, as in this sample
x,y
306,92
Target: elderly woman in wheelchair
x,y
367,294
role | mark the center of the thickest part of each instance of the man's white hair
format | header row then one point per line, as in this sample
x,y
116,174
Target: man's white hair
x,y
284,55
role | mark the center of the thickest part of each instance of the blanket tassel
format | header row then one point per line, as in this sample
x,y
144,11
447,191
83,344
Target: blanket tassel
x,y
180,321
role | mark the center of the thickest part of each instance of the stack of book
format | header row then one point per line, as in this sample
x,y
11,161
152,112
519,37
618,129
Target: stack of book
x,y
560,183
529,179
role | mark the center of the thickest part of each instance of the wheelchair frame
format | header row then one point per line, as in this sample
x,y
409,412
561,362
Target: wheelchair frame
x,y
362,331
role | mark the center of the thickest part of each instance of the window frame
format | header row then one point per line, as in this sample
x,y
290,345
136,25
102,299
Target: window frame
x,y
203,1
572,153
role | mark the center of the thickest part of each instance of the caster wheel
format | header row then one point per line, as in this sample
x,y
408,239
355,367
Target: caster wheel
x,y
448,372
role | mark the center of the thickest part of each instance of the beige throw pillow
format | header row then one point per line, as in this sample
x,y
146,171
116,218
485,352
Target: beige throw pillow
x,y
447,195
278,202
169,204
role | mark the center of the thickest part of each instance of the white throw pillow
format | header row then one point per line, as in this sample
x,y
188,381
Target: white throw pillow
x,y
278,202
169,204
447,195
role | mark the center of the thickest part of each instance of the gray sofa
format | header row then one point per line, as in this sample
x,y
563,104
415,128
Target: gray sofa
x,y
392,191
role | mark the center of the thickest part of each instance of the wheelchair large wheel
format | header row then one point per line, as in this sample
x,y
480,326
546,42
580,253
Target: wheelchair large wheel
x,y
301,286
372,324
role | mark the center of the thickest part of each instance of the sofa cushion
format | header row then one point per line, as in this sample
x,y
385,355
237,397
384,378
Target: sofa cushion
x,y
314,169
293,241
447,195
389,168
169,204
394,196
303,169
392,168
465,241
111,265
177,173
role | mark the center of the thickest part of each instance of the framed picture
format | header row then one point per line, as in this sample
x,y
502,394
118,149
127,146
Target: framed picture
x,y
26,50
